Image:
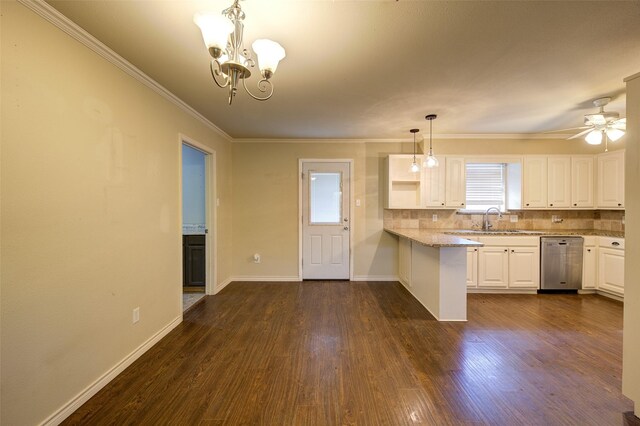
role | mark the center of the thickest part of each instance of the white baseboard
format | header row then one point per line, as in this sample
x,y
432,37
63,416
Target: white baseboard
x,y
375,278
501,291
66,410
222,285
613,296
269,278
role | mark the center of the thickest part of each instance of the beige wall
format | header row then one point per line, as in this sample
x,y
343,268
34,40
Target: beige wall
x,y
90,215
631,337
265,198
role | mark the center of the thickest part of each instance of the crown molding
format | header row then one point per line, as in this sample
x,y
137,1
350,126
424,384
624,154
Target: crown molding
x,y
632,77
56,18
493,136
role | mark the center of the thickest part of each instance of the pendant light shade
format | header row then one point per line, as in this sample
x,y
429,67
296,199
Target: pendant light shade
x,y
415,168
431,161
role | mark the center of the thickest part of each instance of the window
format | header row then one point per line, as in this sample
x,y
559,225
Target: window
x,y
486,186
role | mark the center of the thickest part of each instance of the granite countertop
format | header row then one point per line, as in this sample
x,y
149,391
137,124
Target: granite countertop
x,y
536,232
433,237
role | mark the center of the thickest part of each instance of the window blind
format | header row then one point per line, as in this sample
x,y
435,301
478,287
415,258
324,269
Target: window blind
x,y
485,186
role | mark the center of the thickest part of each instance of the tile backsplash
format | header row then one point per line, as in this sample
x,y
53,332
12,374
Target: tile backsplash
x,y
606,220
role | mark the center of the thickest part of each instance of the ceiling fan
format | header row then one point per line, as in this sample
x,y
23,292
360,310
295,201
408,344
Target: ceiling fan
x,y
600,124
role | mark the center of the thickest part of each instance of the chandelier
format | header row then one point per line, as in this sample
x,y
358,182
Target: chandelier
x,y
231,63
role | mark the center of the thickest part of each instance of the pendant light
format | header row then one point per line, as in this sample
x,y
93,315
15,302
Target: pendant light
x,y
431,161
414,166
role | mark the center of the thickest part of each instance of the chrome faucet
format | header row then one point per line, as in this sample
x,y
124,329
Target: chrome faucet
x,y
486,225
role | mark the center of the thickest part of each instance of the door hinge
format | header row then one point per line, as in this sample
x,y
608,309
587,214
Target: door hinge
x,y
302,175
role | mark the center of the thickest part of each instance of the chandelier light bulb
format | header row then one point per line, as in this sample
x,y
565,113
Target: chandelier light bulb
x,y
215,29
614,134
594,137
269,54
414,167
431,161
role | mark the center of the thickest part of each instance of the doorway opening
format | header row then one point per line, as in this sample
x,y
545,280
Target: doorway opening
x,y
196,214
326,226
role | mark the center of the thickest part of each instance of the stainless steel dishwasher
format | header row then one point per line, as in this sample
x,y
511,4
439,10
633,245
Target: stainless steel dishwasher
x,y
561,263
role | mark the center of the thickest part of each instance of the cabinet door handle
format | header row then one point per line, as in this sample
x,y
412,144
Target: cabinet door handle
x,y
505,250
588,250
575,205
443,204
462,204
551,205
615,243
475,249
527,204
619,204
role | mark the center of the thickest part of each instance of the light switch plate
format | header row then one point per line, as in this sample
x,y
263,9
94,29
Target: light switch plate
x,y
434,218
358,202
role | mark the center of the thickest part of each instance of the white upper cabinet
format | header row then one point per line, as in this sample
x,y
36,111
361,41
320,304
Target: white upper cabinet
x,y
434,185
455,182
403,189
559,181
582,182
534,186
610,172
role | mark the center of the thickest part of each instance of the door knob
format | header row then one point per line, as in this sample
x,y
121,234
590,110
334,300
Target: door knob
x,y
346,228
346,219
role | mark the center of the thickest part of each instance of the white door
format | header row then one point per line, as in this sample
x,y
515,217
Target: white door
x,y
493,267
582,181
534,182
472,267
559,181
524,267
434,184
455,185
589,267
325,220
611,270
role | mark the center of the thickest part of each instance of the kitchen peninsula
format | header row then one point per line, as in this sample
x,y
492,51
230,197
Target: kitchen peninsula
x,y
433,267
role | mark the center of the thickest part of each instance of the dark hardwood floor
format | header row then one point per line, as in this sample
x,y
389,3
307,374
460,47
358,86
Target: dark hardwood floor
x,y
340,353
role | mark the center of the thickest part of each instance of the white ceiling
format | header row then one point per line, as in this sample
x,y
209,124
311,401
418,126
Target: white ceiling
x,y
374,69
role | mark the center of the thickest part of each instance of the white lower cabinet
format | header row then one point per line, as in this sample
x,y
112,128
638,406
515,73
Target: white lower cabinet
x,y
611,270
524,267
472,267
590,264
404,259
493,267
509,263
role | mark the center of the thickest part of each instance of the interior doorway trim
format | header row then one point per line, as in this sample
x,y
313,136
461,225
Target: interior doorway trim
x,y
301,162
211,238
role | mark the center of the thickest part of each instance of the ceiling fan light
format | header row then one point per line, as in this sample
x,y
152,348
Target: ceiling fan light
x,y
614,134
215,29
431,161
269,54
594,137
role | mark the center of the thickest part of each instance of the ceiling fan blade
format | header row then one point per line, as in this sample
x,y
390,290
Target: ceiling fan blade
x,y
564,130
581,133
619,124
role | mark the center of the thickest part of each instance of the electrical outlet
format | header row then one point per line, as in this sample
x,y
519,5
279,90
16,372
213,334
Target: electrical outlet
x,y
257,258
136,315
513,218
434,218
623,219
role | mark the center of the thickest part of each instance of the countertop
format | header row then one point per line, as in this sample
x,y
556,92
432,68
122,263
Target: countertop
x,y
460,237
433,237
536,232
